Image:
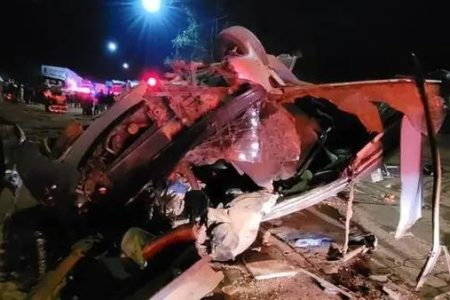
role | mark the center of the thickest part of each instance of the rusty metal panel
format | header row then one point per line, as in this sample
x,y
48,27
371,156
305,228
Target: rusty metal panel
x,y
358,98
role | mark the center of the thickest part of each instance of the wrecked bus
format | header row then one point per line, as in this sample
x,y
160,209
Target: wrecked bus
x,y
218,148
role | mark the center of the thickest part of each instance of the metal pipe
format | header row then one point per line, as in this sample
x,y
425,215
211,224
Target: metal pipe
x,y
181,234
437,176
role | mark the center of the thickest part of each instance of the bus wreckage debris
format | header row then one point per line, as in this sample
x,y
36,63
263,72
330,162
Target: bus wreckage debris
x,y
190,165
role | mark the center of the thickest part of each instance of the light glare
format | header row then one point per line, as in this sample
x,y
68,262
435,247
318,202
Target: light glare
x,y
112,47
151,81
152,6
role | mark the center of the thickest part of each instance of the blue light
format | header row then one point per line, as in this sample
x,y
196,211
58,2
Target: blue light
x,y
147,18
152,6
112,46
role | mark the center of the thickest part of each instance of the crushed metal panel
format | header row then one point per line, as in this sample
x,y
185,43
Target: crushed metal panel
x,y
411,178
296,203
252,69
195,283
358,98
78,149
366,160
283,71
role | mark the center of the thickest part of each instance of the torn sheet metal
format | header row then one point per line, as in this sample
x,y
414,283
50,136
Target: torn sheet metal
x,y
358,98
411,177
283,70
295,203
252,69
366,160
76,152
195,283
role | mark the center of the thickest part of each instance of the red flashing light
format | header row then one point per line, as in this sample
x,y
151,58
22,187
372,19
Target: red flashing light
x,y
103,191
152,81
82,90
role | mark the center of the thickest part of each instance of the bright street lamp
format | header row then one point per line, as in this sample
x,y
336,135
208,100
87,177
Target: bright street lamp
x,y
151,6
112,46
126,66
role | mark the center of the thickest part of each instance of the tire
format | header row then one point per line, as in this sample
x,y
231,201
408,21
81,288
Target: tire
x,y
242,38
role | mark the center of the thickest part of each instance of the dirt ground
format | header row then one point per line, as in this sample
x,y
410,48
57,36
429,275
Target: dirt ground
x,y
398,260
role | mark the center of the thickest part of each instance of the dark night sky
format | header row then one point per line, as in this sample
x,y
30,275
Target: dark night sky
x,y
339,40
